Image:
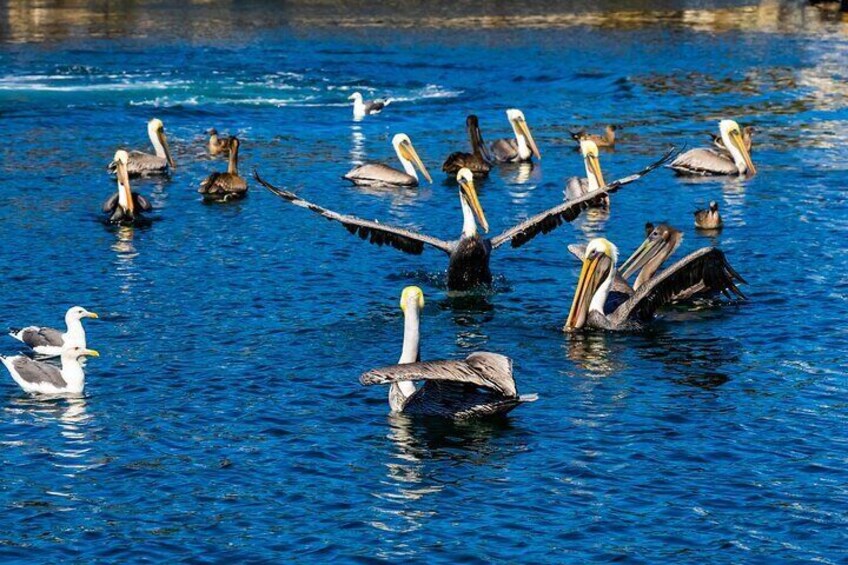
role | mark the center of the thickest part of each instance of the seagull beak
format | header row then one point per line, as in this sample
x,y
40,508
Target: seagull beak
x,y
91,353
409,153
736,139
595,270
470,195
92,315
525,131
645,253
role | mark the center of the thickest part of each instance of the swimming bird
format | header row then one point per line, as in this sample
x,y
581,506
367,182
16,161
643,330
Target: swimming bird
x,y
708,219
478,161
377,174
218,145
576,186
221,187
607,140
362,108
706,269
480,385
140,163
747,139
48,341
124,206
660,243
522,147
44,378
468,264
735,160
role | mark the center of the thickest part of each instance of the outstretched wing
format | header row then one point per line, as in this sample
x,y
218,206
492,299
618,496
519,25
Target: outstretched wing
x,y
375,232
705,271
567,211
488,370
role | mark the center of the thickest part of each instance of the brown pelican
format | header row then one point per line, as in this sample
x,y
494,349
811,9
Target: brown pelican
x,y
377,174
143,164
469,255
49,342
660,243
478,161
218,145
44,378
522,148
125,207
362,108
747,139
708,219
221,187
706,269
735,160
576,186
480,385
607,140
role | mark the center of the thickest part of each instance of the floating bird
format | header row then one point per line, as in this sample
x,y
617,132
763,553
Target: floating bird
x,y
747,139
520,149
377,174
607,140
144,164
480,385
706,269
468,265
218,145
734,160
362,108
44,378
125,207
49,342
708,219
478,161
576,186
221,187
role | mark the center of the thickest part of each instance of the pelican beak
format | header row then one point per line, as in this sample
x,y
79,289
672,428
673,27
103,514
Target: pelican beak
x,y
164,141
525,131
595,271
124,184
470,194
90,353
595,167
647,251
736,139
409,153
92,315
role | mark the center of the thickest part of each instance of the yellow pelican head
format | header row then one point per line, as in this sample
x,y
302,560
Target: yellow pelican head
x,y
408,156
596,276
521,129
731,135
470,203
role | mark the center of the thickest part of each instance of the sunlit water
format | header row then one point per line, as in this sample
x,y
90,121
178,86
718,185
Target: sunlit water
x,y
224,420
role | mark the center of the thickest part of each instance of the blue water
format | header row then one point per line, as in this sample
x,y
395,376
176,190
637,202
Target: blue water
x,y
224,420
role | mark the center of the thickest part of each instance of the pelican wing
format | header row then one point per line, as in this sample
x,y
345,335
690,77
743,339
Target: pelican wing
x,y
474,163
504,150
569,210
141,163
377,233
223,183
487,370
576,187
705,271
142,203
110,202
375,174
704,161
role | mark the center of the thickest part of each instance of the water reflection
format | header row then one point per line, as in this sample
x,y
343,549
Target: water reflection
x,y
357,146
702,363
125,254
593,352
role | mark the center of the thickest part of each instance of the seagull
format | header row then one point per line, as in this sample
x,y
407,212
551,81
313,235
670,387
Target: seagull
x,y
44,378
362,108
49,342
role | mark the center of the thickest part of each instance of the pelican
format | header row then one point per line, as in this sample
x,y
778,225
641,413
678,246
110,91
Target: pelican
x,y
218,145
144,164
478,161
480,385
377,174
362,108
607,140
747,139
735,160
576,187
706,269
125,207
44,378
49,342
520,149
221,187
708,219
468,264
660,243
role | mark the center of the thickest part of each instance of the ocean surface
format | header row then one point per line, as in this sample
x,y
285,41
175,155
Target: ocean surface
x,y
224,421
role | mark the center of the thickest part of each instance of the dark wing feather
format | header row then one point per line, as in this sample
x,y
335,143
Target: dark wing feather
x,y
487,370
36,373
39,337
110,203
375,232
569,210
706,269
142,203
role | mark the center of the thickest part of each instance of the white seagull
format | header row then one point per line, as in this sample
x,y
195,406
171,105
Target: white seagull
x,y
362,108
44,378
48,341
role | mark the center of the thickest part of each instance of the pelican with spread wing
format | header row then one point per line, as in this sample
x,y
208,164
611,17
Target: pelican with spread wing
x,y
468,265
